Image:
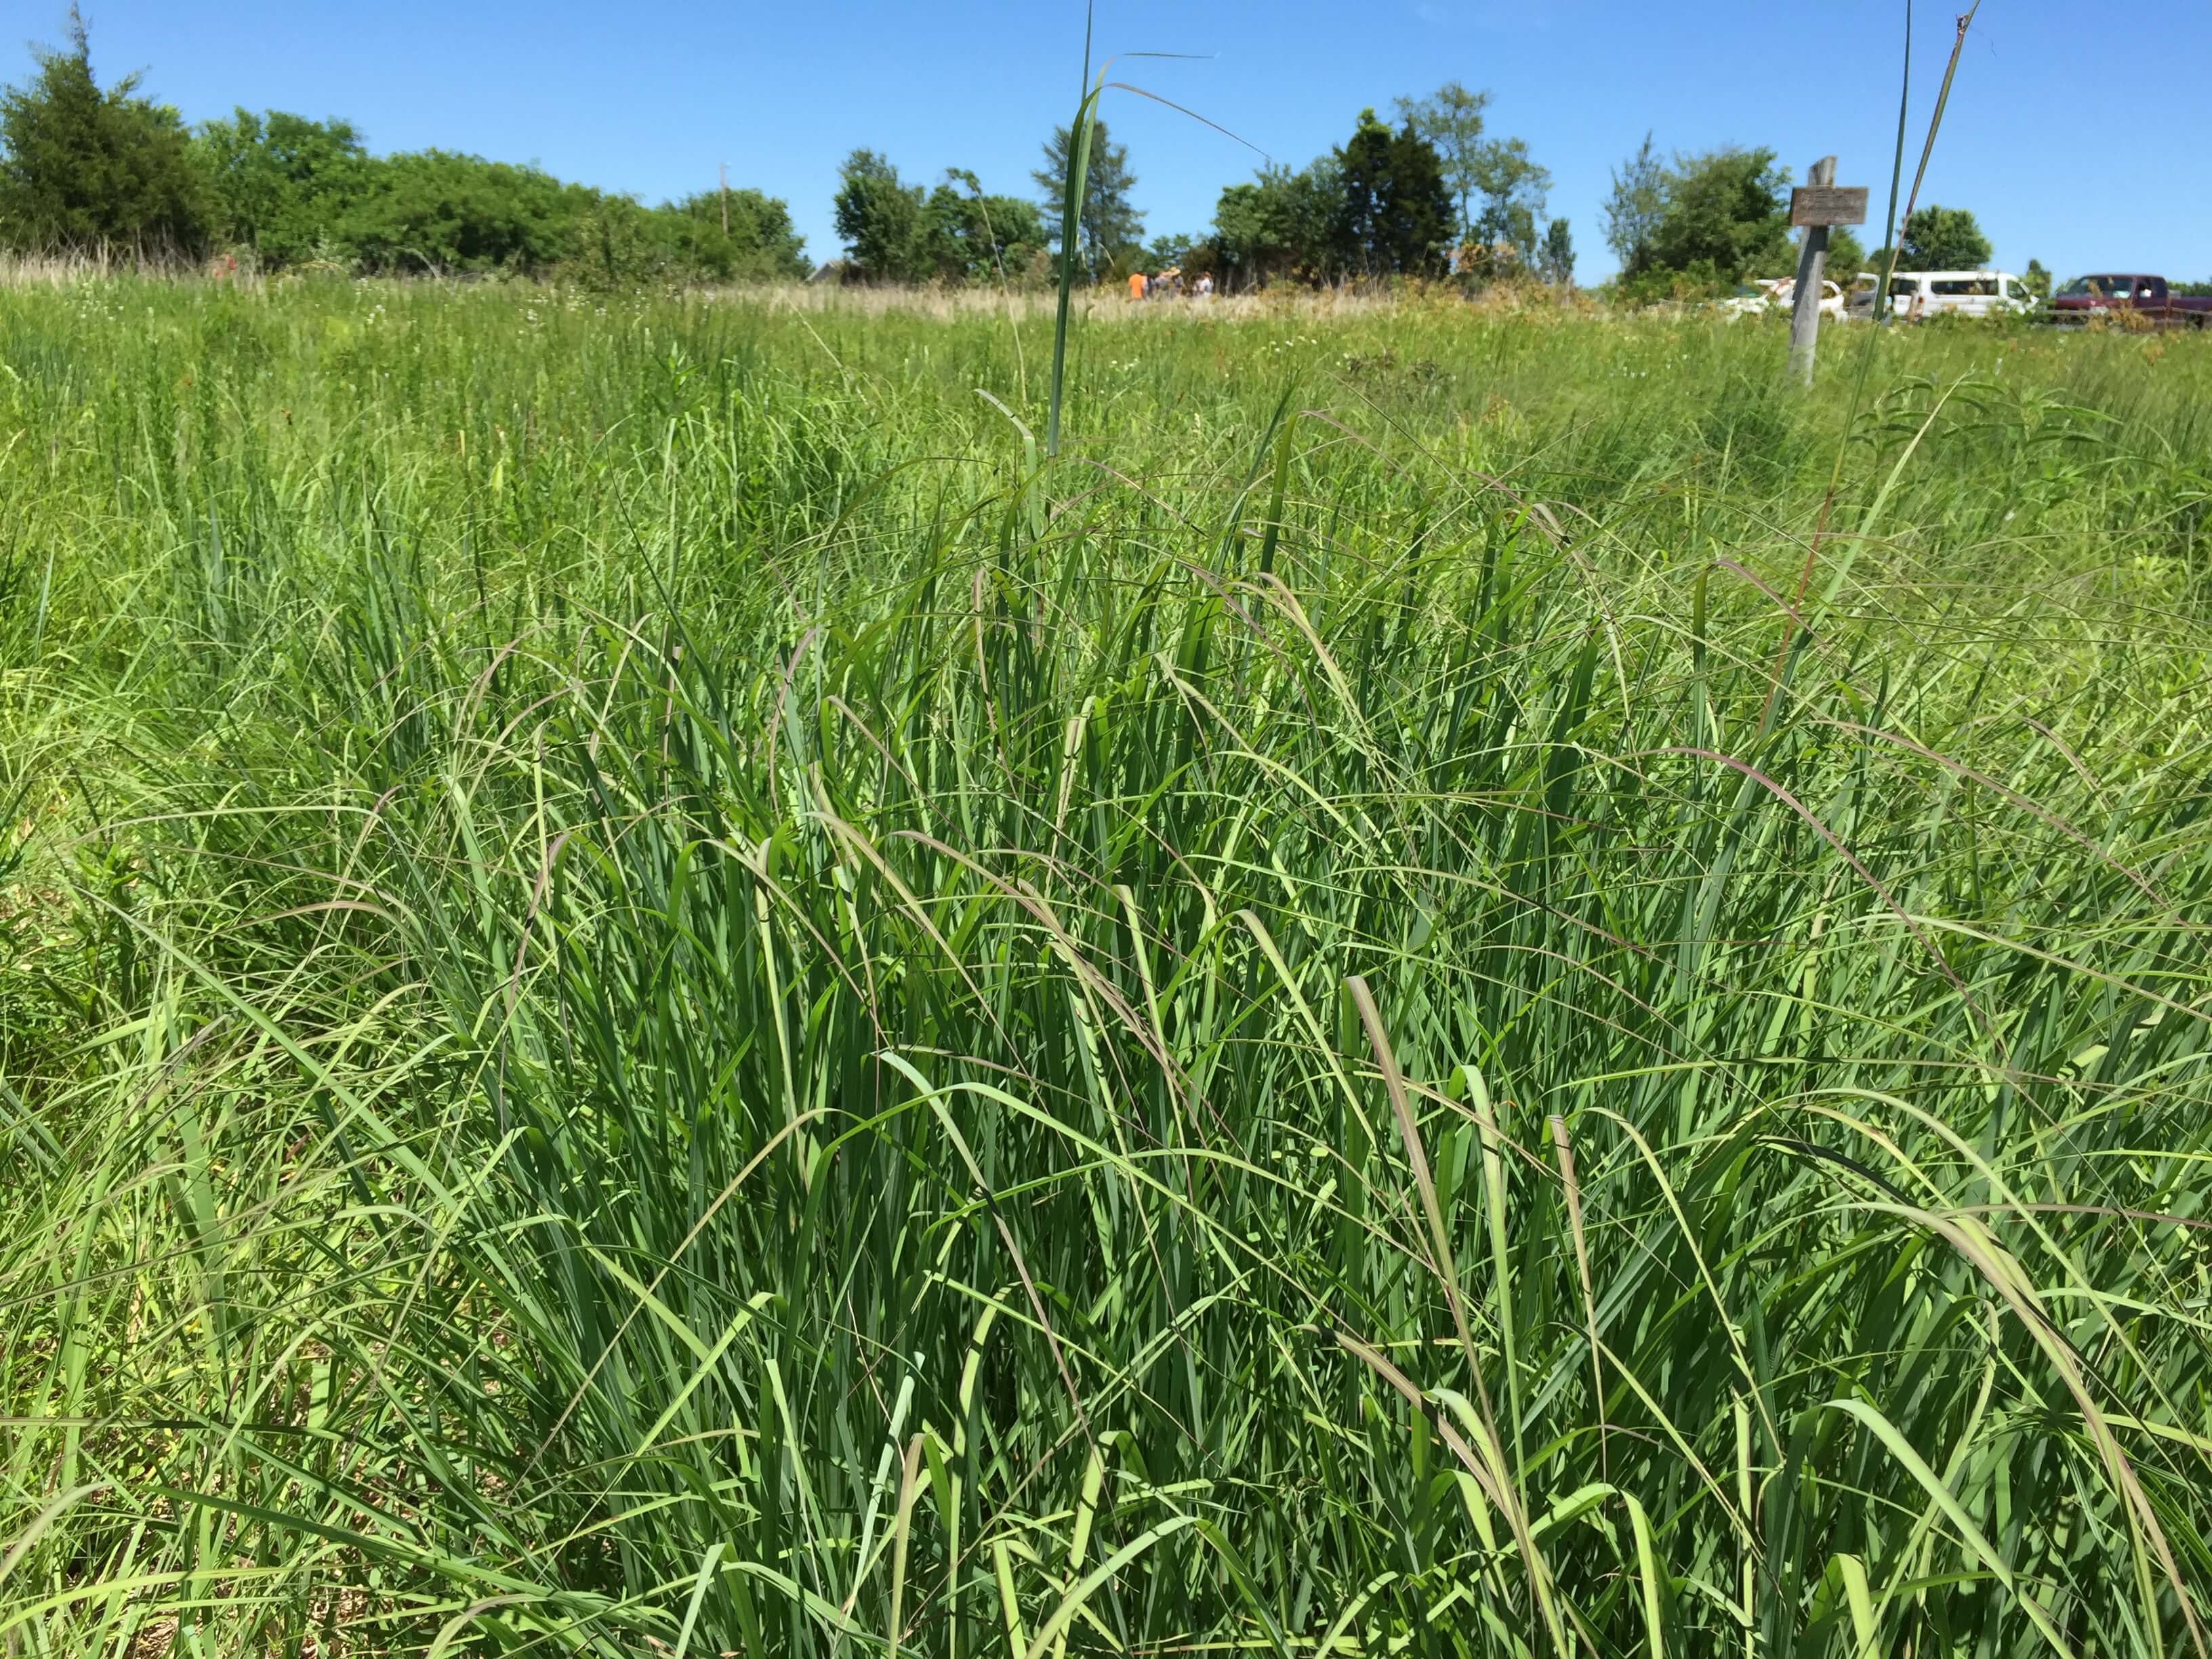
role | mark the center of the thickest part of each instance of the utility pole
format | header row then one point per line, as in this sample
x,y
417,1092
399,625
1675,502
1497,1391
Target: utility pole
x,y
1815,206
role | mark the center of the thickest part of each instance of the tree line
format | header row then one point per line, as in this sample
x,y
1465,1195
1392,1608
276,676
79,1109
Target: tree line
x,y
1701,223
1427,198
1431,195
85,168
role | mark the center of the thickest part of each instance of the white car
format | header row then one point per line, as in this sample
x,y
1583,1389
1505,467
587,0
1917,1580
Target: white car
x,y
1779,294
1749,300
1914,294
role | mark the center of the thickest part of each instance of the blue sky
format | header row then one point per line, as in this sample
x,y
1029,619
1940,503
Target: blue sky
x,y
2078,137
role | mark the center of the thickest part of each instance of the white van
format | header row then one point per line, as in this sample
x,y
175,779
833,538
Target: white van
x,y
1916,294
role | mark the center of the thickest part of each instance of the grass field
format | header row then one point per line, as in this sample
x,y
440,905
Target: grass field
x,y
658,998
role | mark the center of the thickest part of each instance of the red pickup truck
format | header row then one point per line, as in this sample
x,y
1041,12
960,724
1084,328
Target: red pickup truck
x,y
2148,297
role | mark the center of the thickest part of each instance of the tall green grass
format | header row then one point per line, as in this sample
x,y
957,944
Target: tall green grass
x,y
659,996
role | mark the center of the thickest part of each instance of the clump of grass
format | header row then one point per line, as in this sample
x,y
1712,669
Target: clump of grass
x,y
653,1001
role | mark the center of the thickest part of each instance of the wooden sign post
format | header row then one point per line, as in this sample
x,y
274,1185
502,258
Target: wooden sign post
x,y
1815,206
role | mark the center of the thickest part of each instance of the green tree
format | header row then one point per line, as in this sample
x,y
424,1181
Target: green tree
x,y
85,168
617,242
1514,189
1557,263
2036,280
1726,216
1942,238
969,236
1281,224
280,184
1247,230
1451,119
878,216
1113,230
727,236
954,233
1637,203
1497,173
1177,250
1395,216
1847,256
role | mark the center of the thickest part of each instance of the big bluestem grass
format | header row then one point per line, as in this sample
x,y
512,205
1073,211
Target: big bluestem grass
x,y
656,1000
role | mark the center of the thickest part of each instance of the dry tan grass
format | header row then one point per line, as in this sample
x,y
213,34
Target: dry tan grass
x,y
53,270
941,304
1110,305
97,264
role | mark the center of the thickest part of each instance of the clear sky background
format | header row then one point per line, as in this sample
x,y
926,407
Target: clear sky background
x,y
2077,136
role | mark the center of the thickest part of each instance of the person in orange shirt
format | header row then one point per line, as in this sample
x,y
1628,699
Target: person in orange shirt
x,y
1138,284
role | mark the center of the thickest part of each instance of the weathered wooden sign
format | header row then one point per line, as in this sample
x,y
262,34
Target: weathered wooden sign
x,y
1816,204
1812,205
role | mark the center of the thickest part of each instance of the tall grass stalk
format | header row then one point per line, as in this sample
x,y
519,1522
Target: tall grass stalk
x,y
1965,21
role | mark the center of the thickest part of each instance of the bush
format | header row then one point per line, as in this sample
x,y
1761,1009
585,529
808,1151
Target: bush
x,y
435,211
280,182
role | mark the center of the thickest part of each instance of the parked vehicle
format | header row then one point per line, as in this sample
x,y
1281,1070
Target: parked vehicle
x,y
2146,297
1914,294
1778,294
1749,300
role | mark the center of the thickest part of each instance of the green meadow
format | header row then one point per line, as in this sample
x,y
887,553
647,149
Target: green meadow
x,y
1473,982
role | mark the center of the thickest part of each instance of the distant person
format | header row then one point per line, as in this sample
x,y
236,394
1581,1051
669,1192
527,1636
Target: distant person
x,y
1139,285
1206,285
